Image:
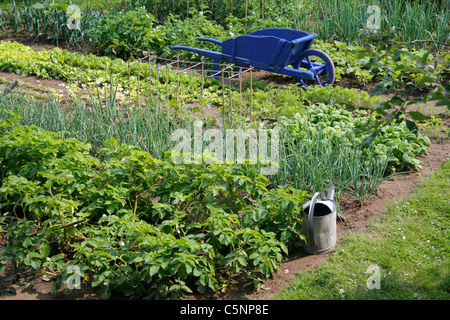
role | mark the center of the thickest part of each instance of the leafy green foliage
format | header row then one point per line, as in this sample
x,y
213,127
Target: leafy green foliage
x,y
395,142
108,37
424,72
269,102
147,227
397,67
348,98
345,58
47,20
184,32
391,66
144,34
136,224
434,127
55,64
97,71
341,20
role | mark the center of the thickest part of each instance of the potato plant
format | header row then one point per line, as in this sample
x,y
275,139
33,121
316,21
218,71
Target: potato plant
x,y
136,225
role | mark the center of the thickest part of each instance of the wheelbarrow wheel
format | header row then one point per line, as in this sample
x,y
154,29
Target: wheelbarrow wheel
x,y
319,63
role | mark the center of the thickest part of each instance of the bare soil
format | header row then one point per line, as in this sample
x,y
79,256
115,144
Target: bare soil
x,y
354,218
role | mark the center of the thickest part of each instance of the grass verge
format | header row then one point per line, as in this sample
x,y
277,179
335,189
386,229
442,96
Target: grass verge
x,y
405,254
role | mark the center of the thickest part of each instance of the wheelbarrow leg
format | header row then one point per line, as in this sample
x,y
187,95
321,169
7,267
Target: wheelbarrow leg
x,y
216,68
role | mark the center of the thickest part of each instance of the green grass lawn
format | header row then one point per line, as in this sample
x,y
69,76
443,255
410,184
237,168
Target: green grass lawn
x,y
407,249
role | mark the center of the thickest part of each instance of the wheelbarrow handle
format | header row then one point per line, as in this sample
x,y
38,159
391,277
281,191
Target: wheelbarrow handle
x,y
303,39
204,52
210,40
9,88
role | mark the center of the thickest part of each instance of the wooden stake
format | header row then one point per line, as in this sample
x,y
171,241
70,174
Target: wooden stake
x,y
129,83
230,110
167,88
251,93
150,78
178,83
240,91
157,88
223,100
139,80
203,82
246,8
262,8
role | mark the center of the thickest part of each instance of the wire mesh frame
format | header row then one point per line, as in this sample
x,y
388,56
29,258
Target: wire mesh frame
x,y
226,74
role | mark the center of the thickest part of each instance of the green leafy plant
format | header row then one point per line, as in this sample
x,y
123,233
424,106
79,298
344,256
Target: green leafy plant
x,y
123,34
397,67
351,99
102,72
134,224
424,73
345,58
327,142
389,64
434,127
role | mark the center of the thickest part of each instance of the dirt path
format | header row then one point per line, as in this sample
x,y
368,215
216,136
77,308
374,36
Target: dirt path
x,y
35,84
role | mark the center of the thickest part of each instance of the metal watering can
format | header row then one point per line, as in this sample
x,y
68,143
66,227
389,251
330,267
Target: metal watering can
x,y
319,223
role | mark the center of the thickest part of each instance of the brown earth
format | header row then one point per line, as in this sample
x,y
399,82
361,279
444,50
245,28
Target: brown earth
x,y
354,218
35,84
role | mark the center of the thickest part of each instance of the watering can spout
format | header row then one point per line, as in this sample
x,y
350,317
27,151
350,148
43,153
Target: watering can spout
x,y
331,193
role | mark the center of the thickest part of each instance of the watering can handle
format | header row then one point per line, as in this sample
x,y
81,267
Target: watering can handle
x,y
330,195
311,215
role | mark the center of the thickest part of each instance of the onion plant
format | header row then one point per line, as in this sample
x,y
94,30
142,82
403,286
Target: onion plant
x,y
319,161
341,19
98,120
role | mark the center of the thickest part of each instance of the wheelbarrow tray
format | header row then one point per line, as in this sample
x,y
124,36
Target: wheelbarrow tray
x,y
267,49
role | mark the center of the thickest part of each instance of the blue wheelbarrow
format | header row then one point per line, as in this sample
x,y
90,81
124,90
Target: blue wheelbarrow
x,y
277,50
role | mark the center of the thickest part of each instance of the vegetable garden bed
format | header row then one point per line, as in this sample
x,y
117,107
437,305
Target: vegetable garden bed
x,y
88,190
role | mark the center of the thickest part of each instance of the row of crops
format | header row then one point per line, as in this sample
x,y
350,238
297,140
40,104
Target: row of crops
x,y
156,25
147,227
88,187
